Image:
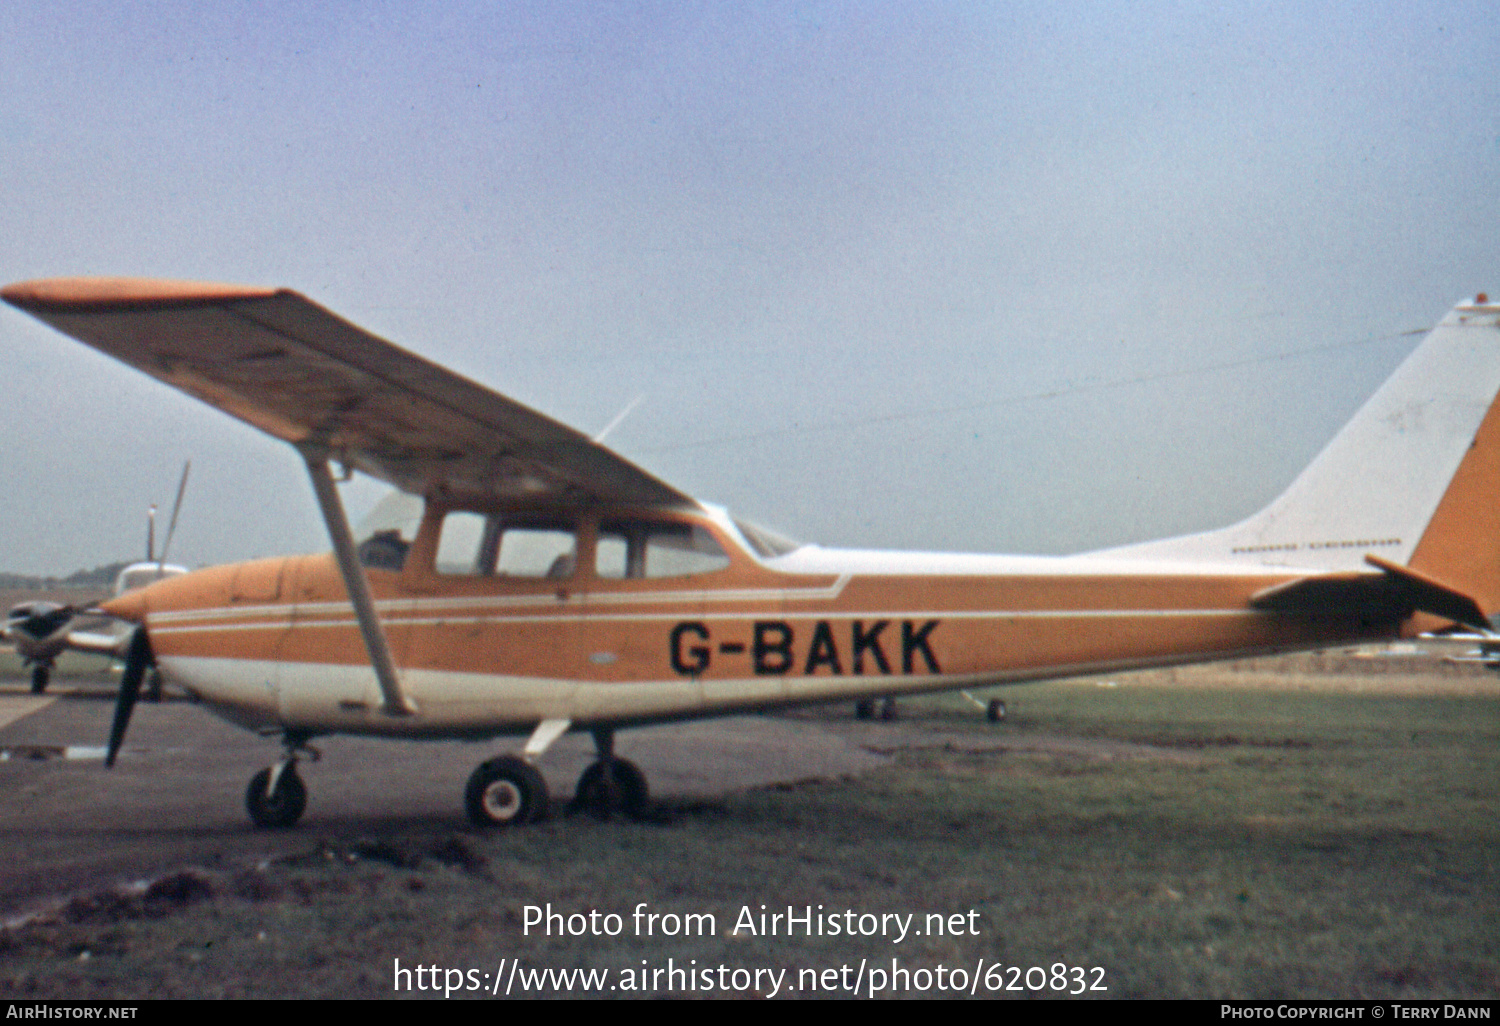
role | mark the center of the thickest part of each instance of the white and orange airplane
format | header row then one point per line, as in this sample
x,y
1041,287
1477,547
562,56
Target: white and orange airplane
x,y
553,586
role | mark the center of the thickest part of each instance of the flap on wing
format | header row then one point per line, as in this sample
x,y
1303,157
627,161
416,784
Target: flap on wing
x,y
288,366
1393,594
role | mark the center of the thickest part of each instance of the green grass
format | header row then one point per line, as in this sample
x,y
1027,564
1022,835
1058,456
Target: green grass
x,y
1292,845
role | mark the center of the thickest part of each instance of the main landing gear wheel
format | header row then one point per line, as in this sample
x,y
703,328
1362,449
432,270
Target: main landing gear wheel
x,y
506,791
619,788
995,711
278,807
39,677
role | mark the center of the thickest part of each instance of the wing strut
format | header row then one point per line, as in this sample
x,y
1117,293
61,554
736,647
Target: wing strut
x,y
395,703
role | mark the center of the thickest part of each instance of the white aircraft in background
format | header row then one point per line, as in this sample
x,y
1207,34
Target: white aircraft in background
x,y
42,630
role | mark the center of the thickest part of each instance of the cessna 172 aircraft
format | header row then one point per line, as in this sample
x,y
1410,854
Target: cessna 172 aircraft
x,y
553,586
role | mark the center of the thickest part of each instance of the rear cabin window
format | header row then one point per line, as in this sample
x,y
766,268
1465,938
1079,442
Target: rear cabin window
x,y
476,545
642,549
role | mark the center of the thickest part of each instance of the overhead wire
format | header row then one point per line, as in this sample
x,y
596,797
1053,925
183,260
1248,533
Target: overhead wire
x,y
1051,393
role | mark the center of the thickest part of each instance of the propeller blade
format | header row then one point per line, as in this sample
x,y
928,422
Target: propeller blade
x,y
137,661
172,524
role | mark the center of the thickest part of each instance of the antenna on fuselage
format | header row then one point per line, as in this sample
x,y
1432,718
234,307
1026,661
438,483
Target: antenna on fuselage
x,y
599,438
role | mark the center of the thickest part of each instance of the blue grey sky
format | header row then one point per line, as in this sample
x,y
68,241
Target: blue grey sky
x,y
1025,277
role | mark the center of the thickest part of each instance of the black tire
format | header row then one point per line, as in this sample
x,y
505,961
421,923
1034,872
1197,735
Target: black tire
x,y
888,711
281,808
624,790
864,709
39,677
505,792
995,711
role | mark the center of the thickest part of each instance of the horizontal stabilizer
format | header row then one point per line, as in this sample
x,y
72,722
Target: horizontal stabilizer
x,y
1392,595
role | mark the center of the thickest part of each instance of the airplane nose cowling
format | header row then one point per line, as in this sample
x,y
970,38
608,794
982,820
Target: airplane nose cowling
x,y
129,606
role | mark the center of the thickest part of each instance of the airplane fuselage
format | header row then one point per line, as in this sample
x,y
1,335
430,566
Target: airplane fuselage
x,y
274,643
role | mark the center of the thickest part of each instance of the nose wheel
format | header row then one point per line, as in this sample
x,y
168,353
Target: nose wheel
x,y
276,797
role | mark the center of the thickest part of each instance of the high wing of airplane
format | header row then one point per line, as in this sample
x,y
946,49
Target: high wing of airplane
x,y
553,586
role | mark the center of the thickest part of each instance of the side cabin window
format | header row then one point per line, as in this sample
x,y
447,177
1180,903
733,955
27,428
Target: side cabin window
x,y
646,549
479,545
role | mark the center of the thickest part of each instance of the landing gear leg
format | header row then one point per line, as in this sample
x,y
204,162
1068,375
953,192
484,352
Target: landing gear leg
x,y
40,674
610,784
276,796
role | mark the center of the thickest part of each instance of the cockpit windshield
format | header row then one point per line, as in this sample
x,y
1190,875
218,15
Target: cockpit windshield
x,y
768,544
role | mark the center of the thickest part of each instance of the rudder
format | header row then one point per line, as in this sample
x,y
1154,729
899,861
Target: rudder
x,y
1461,544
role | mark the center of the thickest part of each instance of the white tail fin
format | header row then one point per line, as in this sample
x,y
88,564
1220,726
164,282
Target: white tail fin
x,y
1377,486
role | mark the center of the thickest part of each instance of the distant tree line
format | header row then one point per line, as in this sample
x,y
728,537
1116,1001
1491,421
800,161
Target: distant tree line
x,y
99,577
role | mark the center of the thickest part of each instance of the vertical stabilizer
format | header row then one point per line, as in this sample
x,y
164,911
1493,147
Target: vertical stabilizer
x,y
1413,478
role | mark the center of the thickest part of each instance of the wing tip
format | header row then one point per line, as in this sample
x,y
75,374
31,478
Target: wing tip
x,y
95,294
